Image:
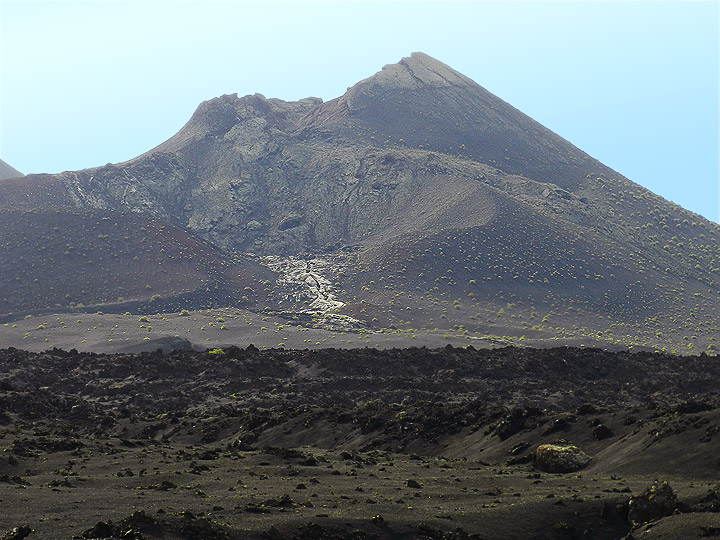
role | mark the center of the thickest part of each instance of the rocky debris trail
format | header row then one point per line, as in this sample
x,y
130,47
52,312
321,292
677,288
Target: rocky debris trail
x,y
305,287
451,443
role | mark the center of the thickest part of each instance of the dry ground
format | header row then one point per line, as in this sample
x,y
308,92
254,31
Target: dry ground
x,y
403,443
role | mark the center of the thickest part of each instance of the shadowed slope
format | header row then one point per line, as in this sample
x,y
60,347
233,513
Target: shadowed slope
x,y
52,260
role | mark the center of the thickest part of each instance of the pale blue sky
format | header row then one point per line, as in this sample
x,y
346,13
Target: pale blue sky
x,y
634,84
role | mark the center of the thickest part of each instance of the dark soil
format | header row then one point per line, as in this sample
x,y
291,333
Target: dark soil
x,y
355,444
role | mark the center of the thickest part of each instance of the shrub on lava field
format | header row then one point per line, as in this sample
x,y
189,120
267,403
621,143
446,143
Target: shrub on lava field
x,y
216,351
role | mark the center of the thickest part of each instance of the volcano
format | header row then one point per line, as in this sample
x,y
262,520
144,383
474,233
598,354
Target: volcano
x,y
416,206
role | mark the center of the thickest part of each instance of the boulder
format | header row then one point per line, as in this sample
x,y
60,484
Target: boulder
x,y
516,421
18,533
656,502
560,458
587,408
601,431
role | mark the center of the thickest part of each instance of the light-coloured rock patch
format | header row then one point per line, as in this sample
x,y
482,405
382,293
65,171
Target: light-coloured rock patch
x,y
307,290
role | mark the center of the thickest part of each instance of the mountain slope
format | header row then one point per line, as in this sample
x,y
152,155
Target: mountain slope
x,y
6,171
423,103
434,204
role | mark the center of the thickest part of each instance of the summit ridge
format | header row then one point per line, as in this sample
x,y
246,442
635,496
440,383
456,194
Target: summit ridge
x,y
416,71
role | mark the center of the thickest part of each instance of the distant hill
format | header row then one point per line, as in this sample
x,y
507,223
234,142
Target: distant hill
x,y
429,203
54,260
6,171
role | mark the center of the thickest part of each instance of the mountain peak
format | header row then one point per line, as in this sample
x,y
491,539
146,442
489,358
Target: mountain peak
x,y
417,71
432,72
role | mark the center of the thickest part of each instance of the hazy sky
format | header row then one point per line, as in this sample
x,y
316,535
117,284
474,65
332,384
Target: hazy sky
x,y
634,84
